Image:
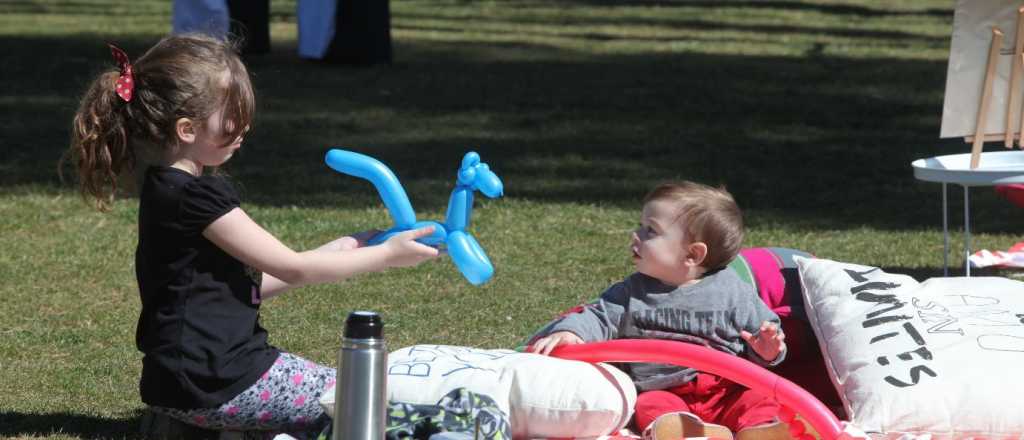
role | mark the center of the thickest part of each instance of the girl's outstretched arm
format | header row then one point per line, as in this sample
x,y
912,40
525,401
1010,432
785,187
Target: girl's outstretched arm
x,y
242,238
272,286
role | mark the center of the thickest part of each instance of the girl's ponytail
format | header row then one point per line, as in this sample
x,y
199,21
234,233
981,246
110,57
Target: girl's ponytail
x,y
100,150
126,120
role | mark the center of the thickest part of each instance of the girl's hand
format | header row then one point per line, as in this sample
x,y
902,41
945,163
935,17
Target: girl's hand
x,y
349,242
769,341
405,251
546,344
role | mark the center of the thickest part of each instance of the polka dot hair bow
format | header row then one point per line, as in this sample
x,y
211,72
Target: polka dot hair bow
x,y
125,83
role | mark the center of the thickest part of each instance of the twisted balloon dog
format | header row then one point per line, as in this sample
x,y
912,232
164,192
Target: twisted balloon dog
x,y
473,175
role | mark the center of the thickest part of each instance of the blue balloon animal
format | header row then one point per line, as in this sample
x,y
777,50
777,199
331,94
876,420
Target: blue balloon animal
x,y
473,175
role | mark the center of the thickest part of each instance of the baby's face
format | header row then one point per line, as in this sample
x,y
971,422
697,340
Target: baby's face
x,y
659,245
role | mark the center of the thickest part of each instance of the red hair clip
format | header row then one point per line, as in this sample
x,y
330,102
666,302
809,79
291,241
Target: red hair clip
x,y
125,83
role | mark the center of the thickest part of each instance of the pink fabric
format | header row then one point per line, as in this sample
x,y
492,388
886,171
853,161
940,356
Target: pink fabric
x,y
804,364
771,287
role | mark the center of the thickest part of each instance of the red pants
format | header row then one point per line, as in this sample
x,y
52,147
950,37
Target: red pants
x,y
713,399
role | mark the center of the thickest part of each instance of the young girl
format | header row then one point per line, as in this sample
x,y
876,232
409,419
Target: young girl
x,y
203,266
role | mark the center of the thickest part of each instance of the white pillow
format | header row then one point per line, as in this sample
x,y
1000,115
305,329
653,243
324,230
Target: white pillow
x,y
543,396
941,357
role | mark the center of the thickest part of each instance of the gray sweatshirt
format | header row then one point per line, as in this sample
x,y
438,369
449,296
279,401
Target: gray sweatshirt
x,y
710,312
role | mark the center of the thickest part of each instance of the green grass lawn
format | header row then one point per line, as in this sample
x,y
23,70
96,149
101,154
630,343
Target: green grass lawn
x,y
809,111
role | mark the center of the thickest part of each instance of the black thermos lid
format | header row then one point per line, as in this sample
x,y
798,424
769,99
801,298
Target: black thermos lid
x,y
363,325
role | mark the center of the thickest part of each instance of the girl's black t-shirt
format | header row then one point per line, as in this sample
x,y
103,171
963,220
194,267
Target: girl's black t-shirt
x,y
199,325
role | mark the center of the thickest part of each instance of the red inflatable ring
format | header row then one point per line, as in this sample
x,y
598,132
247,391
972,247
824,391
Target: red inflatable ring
x,y
789,395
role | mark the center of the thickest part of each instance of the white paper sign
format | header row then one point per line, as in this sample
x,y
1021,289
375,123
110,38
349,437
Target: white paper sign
x,y
968,58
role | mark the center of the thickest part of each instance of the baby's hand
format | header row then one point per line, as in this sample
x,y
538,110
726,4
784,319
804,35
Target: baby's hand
x,y
405,251
546,344
768,342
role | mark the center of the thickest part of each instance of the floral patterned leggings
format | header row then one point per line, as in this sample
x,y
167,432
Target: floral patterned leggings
x,y
285,399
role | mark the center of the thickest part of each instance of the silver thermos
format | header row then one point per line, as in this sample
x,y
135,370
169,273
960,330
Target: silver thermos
x,y
360,396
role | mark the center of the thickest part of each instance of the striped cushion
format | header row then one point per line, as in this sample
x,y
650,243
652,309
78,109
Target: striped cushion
x,y
772,272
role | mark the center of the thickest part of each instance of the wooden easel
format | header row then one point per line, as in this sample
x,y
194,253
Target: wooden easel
x,y
1013,121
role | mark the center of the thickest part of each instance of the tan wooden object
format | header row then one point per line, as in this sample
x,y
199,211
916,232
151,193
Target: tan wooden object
x,y
991,137
1013,103
986,93
1021,126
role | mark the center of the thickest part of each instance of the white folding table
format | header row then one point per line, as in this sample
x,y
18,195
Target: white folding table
x,y
995,168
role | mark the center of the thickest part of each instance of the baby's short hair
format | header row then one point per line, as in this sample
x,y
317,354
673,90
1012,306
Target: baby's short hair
x,y
709,215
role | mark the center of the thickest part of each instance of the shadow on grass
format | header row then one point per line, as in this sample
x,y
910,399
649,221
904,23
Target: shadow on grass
x,y
669,21
834,9
284,11
17,425
83,9
821,140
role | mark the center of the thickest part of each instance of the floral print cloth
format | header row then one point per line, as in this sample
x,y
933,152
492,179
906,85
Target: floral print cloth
x,y
285,400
